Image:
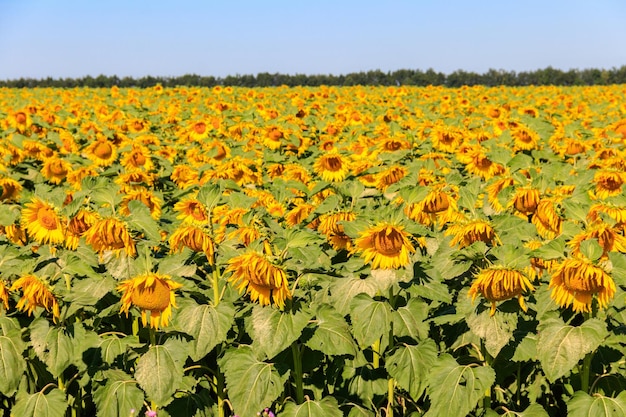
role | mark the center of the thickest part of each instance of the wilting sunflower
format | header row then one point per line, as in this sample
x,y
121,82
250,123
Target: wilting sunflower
x,y
110,234
499,284
608,237
185,176
390,176
77,227
526,200
152,293
56,169
332,167
608,183
35,293
385,246
547,219
4,295
330,226
42,222
261,279
575,281
481,166
192,237
10,189
137,158
144,195
467,232
298,213
16,234
524,138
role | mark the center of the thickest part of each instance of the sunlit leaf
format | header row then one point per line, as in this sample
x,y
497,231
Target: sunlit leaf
x,y
273,330
49,404
208,325
585,405
410,365
371,319
327,407
330,334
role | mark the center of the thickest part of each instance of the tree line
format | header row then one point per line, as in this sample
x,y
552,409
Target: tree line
x,y
415,77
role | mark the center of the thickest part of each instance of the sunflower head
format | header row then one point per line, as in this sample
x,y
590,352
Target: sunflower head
x,y
41,221
575,281
102,152
468,232
526,200
261,279
332,167
153,293
385,246
110,234
10,189
498,284
35,293
193,237
77,227
4,295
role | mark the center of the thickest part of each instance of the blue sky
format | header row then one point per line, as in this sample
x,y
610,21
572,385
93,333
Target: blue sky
x,y
75,38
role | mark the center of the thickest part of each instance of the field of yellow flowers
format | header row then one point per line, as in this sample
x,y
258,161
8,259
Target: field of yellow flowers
x,y
353,251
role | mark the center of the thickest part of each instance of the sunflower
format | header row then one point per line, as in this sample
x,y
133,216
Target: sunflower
x,y
101,152
10,189
332,167
41,221
483,167
146,197
185,176
526,200
262,280
35,293
77,227
467,232
191,211
137,158
330,226
499,284
446,138
385,246
608,183
494,189
192,237
198,131
390,176
56,169
16,234
75,177
547,219
608,238
575,281
615,213
298,213
110,234
4,295
524,139
151,292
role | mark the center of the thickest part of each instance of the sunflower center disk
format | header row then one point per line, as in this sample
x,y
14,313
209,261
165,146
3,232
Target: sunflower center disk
x,y
103,150
47,218
388,244
154,298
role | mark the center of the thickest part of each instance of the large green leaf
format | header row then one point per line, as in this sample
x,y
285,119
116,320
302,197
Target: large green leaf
x,y
273,330
327,407
371,319
159,371
112,346
454,389
12,363
118,396
52,404
208,325
252,384
140,219
496,330
53,345
584,405
410,320
410,365
526,349
560,346
331,334
344,290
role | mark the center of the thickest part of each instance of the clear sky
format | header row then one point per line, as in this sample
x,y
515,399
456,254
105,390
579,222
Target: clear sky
x,y
75,38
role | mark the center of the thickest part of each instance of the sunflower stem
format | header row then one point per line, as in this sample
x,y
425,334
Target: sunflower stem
x,y
376,354
297,365
586,371
218,380
390,390
216,287
152,336
488,360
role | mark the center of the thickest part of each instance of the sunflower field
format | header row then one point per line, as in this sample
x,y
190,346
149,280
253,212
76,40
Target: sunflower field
x,y
319,251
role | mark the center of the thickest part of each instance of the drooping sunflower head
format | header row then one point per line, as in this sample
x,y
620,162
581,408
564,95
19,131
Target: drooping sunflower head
x,y
526,200
385,246
481,166
331,226
263,281
467,232
16,234
185,176
56,169
500,284
42,222
576,280
332,167
4,295
608,237
35,293
298,213
547,219
153,293
524,139
10,189
390,176
77,226
144,195
110,234
608,183
193,237
138,158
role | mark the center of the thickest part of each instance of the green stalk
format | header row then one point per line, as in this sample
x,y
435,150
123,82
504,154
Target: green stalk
x,y
488,360
586,370
152,336
376,354
297,365
216,286
218,380
390,390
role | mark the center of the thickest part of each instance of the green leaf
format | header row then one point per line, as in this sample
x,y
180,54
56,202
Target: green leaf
x,y
554,249
159,371
252,384
52,345
410,365
410,320
210,195
118,396
327,407
526,350
12,363
371,319
52,404
140,219
454,389
591,249
344,290
496,330
88,291
331,334
112,346
273,330
357,411
208,325
560,346
584,405
301,238
175,265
